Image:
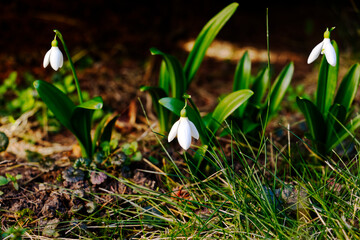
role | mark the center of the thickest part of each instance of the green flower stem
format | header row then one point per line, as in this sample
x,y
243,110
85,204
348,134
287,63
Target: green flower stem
x,y
58,34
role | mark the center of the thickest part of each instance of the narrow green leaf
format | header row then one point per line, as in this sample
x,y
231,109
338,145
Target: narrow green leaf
x,y
162,113
164,79
98,130
314,119
106,134
348,87
204,39
279,87
175,73
227,106
56,101
261,84
242,73
176,105
328,76
81,124
242,78
335,121
344,133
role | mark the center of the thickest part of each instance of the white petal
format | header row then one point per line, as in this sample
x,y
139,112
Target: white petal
x,y
329,52
315,53
184,133
173,131
55,58
194,131
46,59
61,60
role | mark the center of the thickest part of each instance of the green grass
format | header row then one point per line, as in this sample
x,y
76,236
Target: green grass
x,y
269,196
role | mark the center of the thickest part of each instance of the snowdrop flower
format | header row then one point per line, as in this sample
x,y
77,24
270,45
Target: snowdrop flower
x,y
53,56
324,47
183,129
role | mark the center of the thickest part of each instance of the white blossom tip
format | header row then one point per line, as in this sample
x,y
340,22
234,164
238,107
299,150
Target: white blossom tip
x,y
183,129
54,57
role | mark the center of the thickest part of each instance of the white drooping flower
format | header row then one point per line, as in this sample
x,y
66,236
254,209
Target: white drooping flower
x,y
54,57
183,129
324,47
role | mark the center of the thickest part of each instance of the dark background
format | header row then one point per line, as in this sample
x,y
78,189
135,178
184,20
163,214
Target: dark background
x,y
112,32
137,25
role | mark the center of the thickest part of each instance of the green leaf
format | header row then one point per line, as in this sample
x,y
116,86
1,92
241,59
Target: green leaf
x,y
348,87
242,78
261,84
56,101
98,130
242,73
81,125
279,87
106,134
249,125
345,132
137,157
175,73
227,106
156,94
328,76
204,39
93,104
314,120
103,132
3,181
81,121
176,105
164,79
334,121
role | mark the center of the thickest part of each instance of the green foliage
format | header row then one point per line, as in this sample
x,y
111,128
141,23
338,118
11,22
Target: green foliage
x,y
174,73
176,105
209,127
14,233
20,99
227,106
75,118
254,115
4,141
177,78
10,178
131,151
204,39
329,120
328,76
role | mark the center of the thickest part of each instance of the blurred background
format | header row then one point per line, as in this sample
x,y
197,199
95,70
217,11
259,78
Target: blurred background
x,y
114,38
